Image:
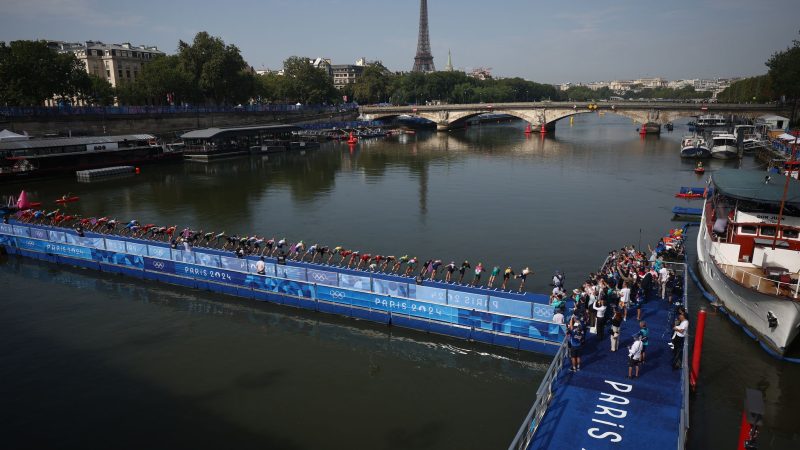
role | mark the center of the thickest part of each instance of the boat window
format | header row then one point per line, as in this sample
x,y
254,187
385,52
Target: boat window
x,y
768,231
748,229
789,233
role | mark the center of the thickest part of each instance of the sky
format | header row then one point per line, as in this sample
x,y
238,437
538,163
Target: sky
x,y
545,41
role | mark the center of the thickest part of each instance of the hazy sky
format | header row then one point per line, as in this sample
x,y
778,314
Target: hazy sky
x,y
546,41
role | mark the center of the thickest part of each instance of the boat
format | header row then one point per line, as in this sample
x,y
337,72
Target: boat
x,y
650,128
680,212
694,146
66,199
751,137
723,146
747,250
710,120
699,169
691,192
53,156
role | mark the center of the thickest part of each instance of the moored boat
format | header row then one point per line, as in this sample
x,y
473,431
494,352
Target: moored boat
x,y
694,146
748,251
723,146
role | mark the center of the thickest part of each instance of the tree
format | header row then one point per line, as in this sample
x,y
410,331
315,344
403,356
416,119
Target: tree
x,y
216,69
373,85
305,83
31,73
99,92
784,71
164,79
754,89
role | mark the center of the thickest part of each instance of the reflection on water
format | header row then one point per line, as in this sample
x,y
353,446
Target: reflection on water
x,y
487,193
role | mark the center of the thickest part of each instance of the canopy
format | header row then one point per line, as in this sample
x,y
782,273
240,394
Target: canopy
x,y
7,136
752,185
787,137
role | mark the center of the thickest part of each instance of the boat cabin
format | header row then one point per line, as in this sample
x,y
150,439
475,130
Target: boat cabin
x,y
744,217
235,140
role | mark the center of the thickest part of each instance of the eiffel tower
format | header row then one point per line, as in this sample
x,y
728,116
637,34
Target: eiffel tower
x,y
423,62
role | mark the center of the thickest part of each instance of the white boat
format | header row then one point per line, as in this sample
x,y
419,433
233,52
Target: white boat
x,y
711,120
694,146
752,138
723,146
750,256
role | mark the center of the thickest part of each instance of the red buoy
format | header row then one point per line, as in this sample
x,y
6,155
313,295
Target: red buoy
x,y
137,171
352,139
528,128
543,130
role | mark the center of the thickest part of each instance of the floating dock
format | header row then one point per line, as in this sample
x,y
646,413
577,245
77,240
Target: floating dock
x,y
96,174
687,213
598,407
521,321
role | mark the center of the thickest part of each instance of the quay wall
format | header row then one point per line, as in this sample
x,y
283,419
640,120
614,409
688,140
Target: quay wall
x,y
513,320
159,124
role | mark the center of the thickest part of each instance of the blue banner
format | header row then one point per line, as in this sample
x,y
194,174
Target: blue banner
x,y
159,265
22,231
136,249
468,300
510,307
354,282
38,233
209,274
155,251
183,256
428,294
7,240
119,259
93,242
6,229
393,288
55,249
543,312
115,246
290,272
323,277
238,264
206,259
280,286
57,236
415,308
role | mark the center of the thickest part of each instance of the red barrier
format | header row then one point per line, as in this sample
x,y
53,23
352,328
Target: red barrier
x,y
698,348
744,431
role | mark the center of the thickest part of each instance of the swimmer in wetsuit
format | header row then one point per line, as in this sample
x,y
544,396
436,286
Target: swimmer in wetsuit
x,y
435,267
462,270
506,275
495,272
336,250
450,268
386,261
353,257
400,261
364,260
410,265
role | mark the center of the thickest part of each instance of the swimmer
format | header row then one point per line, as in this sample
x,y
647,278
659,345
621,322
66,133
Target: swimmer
x,y
400,261
506,275
478,272
435,267
386,261
336,250
523,276
450,268
364,260
461,270
493,275
353,257
410,264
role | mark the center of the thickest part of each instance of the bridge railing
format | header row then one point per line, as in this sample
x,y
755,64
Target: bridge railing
x,y
543,396
51,111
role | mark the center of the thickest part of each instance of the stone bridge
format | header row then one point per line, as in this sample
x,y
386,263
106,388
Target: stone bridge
x,y
545,114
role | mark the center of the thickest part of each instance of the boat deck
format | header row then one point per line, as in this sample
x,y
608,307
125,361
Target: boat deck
x,y
648,410
756,278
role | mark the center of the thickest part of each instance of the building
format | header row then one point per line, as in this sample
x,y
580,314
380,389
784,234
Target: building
x,y
115,63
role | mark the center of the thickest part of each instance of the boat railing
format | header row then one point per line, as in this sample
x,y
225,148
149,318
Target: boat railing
x,y
543,396
747,278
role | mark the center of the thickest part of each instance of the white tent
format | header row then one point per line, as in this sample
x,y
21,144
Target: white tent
x,y
787,137
8,136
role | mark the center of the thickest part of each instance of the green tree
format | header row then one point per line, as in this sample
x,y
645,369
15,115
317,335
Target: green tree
x,y
754,89
784,71
373,85
305,83
166,76
99,92
31,73
218,70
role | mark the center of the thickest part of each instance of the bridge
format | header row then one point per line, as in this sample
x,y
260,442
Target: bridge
x,y
544,115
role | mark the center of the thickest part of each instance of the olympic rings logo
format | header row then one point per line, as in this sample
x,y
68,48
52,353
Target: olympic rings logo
x,y
319,276
543,311
158,265
337,295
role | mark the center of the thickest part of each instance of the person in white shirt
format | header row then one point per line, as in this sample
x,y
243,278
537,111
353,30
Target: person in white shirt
x,y
635,356
600,307
558,318
261,268
624,300
663,276
677,339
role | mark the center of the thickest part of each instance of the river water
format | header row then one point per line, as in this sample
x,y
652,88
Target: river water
x,y
92,360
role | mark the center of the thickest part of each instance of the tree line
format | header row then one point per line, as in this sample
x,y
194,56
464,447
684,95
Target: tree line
x,y
208,71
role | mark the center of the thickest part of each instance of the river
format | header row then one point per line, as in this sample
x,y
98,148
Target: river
x,y
93,360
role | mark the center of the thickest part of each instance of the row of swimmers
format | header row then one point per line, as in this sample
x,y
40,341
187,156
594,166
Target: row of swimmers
x,y
261,246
